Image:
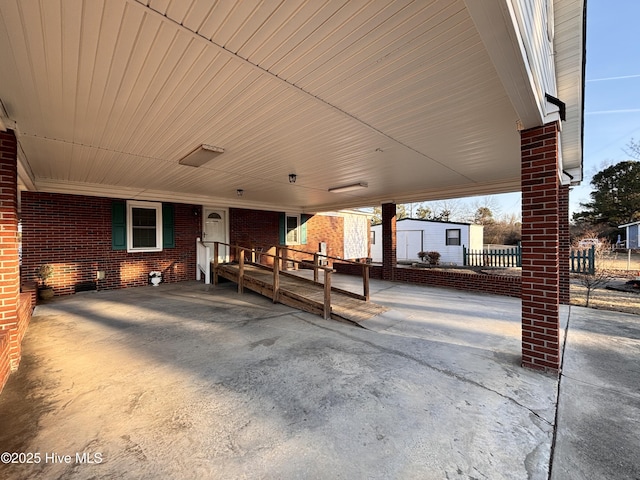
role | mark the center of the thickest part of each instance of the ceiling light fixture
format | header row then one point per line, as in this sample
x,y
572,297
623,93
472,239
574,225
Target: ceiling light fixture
x,y
200,155
292,178
239,192
349,188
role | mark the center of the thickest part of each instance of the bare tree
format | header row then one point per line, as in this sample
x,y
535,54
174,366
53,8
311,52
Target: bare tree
x,y
633,149
601,273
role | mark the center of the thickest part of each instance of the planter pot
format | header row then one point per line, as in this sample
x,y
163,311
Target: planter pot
x,y
155,281
45,293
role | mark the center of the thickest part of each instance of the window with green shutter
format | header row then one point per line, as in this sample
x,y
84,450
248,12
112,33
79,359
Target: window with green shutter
x,y
293,229
118,225
168,226
138,226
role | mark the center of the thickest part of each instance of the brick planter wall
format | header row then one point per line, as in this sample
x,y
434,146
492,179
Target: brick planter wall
x,y
375,271
494,284
73,233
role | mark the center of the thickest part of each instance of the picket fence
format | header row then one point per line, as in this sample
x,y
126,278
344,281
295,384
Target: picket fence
x,y
581,260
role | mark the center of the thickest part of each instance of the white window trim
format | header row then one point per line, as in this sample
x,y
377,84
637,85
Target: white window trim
x,y
157,206
447,238
286,229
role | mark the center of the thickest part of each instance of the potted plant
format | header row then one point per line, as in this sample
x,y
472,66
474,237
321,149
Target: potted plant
x,y
155,278
45,292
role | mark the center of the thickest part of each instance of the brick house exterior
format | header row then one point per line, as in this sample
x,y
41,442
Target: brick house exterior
x,y
74,234
15,307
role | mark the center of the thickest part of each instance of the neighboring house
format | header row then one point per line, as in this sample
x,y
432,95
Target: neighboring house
x,y
631,234
413,236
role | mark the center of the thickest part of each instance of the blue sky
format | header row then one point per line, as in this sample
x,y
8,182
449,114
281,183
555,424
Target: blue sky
x,y
612,93
612,89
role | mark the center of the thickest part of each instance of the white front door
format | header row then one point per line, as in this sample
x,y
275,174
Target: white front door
x,y
215,230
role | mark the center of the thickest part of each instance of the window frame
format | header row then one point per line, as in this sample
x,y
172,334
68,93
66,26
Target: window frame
x,y
157,206
447,238
287,216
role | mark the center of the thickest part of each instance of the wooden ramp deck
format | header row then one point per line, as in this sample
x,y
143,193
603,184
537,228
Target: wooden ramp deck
x,y
298,292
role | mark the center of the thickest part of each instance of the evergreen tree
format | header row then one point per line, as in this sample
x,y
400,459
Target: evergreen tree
x,y
615,198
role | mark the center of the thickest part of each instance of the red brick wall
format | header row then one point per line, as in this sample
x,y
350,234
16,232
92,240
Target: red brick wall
x,y
25,307
5,362
73,233
11,339
259,228
328,229
12,325
389,259
253,227
540,248
565,246
495,284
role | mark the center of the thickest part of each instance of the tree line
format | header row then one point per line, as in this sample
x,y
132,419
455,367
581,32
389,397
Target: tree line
x,y
614,199
498,229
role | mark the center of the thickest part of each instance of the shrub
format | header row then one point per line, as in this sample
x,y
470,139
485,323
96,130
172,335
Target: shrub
x,y
433,258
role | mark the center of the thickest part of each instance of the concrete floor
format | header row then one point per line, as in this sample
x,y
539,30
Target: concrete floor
x,y
186,381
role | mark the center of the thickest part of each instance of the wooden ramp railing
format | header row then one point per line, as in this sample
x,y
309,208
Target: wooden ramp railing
x,y
316,263
281,286
203,261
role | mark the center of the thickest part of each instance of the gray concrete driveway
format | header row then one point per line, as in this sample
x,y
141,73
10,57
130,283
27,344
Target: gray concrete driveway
x,y
184,381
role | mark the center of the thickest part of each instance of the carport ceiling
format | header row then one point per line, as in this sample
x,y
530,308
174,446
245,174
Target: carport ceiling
x,y
107,97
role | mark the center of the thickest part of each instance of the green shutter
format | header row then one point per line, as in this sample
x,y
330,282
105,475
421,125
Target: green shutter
x,y
283,228
118,225
303,228
168,226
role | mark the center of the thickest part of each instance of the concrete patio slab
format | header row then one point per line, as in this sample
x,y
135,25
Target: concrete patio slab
x,y
598,434
189,381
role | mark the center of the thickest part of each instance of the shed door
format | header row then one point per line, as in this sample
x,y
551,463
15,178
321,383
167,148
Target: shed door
x,y
408,244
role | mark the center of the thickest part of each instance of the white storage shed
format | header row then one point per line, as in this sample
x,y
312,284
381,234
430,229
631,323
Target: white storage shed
x,y
413,236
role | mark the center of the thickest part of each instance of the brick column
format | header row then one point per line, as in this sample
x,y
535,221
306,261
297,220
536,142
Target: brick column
x,y
389,259
540,248
9,263
565,245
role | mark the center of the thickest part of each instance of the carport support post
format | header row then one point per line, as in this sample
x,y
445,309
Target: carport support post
x,y
540,248
565,246
9,262
389,259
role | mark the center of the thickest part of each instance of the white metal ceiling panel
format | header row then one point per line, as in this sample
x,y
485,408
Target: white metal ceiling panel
x,y
399,94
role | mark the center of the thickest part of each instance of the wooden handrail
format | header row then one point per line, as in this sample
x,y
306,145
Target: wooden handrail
x,y
278,257
316,258
240,254
280,260
343,260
